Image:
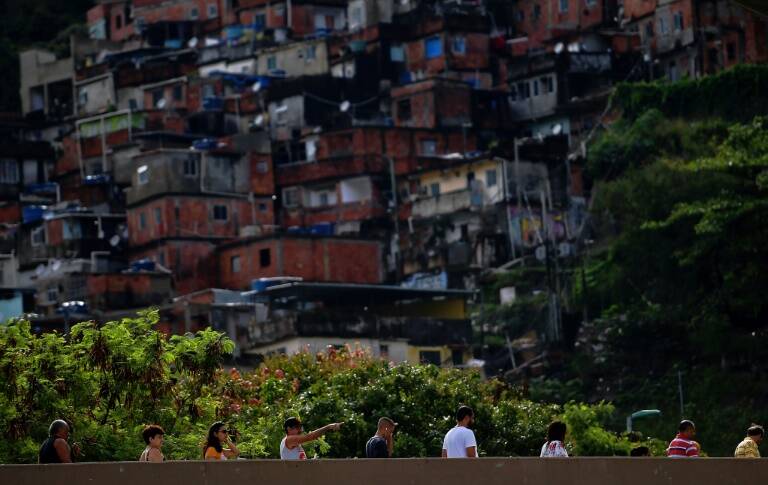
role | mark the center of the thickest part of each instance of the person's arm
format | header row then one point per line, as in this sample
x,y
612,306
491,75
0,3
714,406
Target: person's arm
x,y
154,455
470,444
232,452
390,445
63,450
692,451
293,441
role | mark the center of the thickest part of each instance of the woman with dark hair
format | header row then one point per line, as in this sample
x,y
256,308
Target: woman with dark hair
x,y
555,437
218,436
153,437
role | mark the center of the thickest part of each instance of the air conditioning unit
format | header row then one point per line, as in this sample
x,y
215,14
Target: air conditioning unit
x,y
250,231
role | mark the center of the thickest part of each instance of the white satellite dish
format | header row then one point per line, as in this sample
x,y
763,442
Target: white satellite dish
x,y
557,129
559,48
56,265
258,121
344,106
573,47
541,253
281,109
114,240
40,270
192,43
161,103
256,87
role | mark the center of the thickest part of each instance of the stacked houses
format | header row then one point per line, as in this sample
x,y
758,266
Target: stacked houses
x,y
312,172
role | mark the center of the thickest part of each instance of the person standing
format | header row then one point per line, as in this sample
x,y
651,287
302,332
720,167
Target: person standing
x,y
460,441
153,437
554,447
683,445
382,443
290,446
218,436
56,449
749,447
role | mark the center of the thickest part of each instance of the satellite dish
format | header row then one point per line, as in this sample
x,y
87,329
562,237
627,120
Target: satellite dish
x,y
557,129
256,87
40,270
114,240
192,42
541,253
281,109
559,48
56,265
258,121
344,106
573,47
161,103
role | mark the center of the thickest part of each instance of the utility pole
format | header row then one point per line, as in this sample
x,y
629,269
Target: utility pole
x,y
680,392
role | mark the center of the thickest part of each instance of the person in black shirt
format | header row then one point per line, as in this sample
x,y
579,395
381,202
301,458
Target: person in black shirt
x,y
380,445
56,449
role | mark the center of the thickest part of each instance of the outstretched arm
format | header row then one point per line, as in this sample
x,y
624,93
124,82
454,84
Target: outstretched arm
x,y
295,440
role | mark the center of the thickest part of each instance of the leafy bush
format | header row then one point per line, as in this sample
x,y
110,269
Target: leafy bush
x,y
110,381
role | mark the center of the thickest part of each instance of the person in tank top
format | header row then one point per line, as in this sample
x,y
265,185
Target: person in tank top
x,y
153,437
290,446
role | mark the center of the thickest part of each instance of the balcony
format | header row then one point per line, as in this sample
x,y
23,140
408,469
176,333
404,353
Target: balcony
x,y
446,204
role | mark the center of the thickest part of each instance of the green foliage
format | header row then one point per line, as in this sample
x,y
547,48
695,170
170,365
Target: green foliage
x,y
111,380
737,94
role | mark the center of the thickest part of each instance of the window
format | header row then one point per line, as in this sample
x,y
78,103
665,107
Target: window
x,y
662,26
428,147
547,86
397,53
311,52
194,13
260,20
383,350
730,49
143,174
177,92
157,95
271,63
457,357
52,294
190,167
678,18
158,216
404,110
591,3
142,221
459,45
265,258
429,357
563,6
161,258
262,207
535,87
523,90
649,29
234,264
490,178
356,17
219,213
433,47
324,198
536,11
9,172
119,21
291,197
520,15
38,236
213,10
434,189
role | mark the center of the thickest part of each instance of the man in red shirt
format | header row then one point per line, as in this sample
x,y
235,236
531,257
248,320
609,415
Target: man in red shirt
x,y
683,445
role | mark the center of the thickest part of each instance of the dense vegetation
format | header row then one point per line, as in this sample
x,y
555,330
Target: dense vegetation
x,y
111,380
678,276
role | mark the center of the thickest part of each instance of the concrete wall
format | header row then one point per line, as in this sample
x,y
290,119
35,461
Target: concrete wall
x,y
489,471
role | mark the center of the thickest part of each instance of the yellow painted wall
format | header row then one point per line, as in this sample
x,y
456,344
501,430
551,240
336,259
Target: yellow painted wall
x,y
412,355
455,178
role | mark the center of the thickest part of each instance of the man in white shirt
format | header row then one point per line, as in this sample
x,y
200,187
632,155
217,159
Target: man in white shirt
x,y
460,441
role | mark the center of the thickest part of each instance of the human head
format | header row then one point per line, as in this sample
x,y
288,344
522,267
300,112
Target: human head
x,y
640,451
756,432
153,435
293,426
59,429
465,416
216,434
687,429
386,426
556,431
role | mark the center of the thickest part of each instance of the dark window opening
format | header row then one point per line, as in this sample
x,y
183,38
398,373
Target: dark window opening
x,y
265,258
